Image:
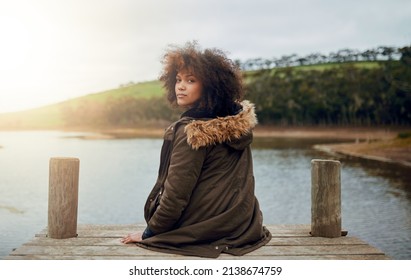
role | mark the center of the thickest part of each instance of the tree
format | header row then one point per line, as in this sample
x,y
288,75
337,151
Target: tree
x,y
387,51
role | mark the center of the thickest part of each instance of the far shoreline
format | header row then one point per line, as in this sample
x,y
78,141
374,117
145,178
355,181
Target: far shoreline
x,y
313,132
374,143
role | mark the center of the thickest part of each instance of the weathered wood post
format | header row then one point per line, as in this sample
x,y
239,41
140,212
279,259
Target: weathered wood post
x,y
325,198
63,197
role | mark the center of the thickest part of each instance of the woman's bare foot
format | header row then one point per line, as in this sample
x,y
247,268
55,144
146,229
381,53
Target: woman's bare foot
x,y
131,238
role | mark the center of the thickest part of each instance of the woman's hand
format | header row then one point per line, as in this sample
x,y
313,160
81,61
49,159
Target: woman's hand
x,y
131,238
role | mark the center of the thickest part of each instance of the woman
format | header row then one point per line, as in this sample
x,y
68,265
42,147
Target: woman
x,y
203,202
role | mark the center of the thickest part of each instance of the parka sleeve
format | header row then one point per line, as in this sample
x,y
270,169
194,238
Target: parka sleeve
x,y
183,173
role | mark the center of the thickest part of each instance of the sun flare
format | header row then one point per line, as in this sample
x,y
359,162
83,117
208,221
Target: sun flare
x,y
14,48
25,56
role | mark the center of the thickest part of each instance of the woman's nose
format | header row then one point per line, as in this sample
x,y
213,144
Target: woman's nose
x,y
181,86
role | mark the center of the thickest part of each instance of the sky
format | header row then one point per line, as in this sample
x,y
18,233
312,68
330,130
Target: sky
x,y
55,50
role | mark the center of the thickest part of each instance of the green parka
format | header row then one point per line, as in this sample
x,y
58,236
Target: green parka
x,y
203,202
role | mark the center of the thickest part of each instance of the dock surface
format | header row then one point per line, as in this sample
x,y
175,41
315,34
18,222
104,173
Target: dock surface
x,y
102,242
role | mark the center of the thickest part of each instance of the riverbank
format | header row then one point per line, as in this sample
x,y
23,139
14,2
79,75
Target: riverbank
x,y
390,150
380,144
343,133
369,143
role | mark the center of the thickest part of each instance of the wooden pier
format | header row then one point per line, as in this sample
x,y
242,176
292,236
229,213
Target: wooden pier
x,y
102,242
64,239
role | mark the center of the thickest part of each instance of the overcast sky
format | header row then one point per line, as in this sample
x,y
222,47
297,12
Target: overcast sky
x,y
54,50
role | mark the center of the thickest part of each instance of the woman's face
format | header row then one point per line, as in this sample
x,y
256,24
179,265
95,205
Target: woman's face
x,y
188,88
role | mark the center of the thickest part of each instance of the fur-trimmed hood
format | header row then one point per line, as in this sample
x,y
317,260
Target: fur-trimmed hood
x,y
234,130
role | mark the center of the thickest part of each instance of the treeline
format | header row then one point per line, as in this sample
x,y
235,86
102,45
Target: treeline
x,y
385,53
344,95
340,95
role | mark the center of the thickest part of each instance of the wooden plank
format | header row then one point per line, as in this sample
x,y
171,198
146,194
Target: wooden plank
x,y
133,227
286,227
222,257
132,250
306,241
126,250
103,242
276,241
121,230
122,233
316,250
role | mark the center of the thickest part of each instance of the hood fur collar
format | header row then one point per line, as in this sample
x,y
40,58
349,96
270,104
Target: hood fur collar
x,y
202,133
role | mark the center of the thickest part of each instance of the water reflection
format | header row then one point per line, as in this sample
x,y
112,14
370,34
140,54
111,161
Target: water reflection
x,y
290,143
399,176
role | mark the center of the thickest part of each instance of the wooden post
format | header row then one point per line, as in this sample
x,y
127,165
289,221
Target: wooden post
x,y
325,198
63,197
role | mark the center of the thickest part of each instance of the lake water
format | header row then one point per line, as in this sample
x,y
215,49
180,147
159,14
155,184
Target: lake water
x,y
117,175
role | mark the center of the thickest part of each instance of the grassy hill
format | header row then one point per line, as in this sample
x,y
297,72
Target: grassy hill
x,y
51,116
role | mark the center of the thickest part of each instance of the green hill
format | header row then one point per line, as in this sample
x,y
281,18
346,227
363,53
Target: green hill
x,y
52,116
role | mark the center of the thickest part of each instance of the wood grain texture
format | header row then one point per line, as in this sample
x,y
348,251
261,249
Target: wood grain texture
x,y
325,198
63,197
99,242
